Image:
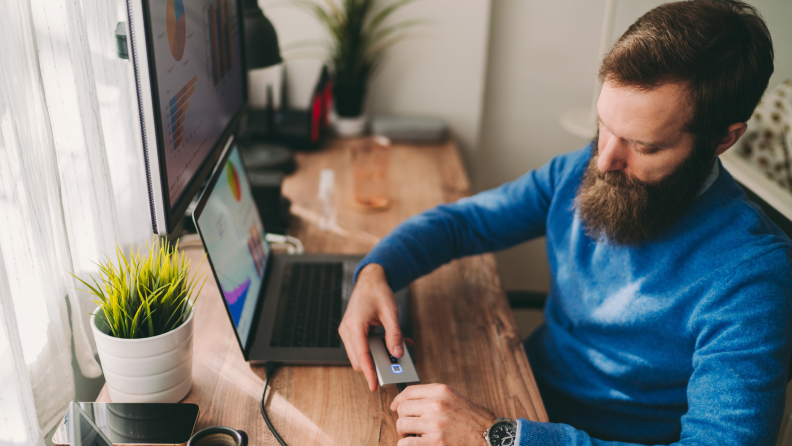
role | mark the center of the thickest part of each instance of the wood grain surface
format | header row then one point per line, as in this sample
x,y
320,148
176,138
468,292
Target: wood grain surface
x,y
464,332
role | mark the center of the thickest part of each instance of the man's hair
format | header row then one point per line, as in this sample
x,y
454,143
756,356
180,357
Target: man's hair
x,y
721,49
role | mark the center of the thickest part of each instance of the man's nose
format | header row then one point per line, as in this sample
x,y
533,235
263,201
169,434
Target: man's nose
x,y
612,155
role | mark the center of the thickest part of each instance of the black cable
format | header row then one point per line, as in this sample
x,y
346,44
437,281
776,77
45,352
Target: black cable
x,y
270,367
270,371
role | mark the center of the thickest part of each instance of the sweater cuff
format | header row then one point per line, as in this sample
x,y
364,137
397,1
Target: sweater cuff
x,y
534,433
389,260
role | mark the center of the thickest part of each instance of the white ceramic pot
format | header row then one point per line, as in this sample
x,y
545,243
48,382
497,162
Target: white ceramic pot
x,y
350,127
148,370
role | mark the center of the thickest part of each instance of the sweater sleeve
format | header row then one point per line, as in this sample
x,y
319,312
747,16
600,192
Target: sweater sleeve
x,y
489,221
740,364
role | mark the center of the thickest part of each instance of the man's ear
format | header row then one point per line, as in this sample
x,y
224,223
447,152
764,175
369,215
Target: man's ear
x,y
734,132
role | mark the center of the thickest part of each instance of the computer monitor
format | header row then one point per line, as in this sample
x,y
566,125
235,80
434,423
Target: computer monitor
x,y
191,85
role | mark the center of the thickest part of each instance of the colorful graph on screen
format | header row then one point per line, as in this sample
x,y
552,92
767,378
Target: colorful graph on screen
x,y
177,27
178,107
257,251
233,181
236,299
217,16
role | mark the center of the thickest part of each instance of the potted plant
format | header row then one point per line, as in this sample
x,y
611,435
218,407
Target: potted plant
x,y
359,38
143,325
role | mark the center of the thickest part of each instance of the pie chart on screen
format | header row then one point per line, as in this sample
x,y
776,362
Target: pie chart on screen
x,y
176,23
233,181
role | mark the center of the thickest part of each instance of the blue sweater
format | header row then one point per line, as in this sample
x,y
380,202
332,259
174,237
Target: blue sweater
x,y
685,338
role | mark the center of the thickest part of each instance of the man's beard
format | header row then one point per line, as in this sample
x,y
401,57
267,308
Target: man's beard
x,y
625,211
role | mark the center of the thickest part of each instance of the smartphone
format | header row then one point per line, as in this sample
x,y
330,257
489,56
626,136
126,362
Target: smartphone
x,y
136,423
82,431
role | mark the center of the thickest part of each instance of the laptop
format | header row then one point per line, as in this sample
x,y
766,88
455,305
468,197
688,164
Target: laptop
x,y
284,308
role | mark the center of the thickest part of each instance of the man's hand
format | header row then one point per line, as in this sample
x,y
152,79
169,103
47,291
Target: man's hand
x,y
439,416
372,303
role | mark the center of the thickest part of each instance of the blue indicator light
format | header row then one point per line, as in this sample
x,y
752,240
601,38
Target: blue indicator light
x,y
396,368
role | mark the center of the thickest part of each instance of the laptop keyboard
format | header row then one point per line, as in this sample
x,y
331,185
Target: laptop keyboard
x,y
309,311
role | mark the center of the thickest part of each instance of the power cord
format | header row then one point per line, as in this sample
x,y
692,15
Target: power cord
x,y
270,367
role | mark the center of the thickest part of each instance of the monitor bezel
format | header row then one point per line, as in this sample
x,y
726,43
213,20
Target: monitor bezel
x,y
165,218
207,191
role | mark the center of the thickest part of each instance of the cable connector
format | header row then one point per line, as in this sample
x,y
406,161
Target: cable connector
x,y
293,245
270,368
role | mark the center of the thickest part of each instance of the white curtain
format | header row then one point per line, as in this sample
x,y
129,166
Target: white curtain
x,y
72,186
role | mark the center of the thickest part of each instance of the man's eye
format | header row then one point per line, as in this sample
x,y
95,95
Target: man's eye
x,y
643,150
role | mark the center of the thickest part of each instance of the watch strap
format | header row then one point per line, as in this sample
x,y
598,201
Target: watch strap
x,y
485,434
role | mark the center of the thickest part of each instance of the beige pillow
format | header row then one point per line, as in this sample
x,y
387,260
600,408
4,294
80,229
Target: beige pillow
x,y
768,141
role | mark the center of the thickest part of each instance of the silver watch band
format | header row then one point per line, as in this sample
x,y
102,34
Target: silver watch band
x,y
485,434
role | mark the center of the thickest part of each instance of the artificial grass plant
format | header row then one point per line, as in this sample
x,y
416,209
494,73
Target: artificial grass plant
x,y
145,295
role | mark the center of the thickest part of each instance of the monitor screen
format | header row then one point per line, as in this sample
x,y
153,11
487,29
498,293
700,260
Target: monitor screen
x,y
233,235
191,75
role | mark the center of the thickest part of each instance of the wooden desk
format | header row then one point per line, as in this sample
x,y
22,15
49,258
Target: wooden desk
x,y
473,345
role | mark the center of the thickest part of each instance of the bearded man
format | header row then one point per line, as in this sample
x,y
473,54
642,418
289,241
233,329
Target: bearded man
x,y
671,296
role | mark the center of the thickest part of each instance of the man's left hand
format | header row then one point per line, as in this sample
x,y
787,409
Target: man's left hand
x,y
439,416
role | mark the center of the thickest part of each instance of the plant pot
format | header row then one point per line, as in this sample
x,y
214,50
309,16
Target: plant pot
x,y
149,370
350,127
348,98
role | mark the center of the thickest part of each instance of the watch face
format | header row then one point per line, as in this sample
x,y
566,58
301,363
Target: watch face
x,y
503,434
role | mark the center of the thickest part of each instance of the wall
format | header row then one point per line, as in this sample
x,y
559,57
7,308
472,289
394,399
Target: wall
x,y
543,61
438,71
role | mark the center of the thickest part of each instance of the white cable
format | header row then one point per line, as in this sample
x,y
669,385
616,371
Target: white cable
x,y
293,245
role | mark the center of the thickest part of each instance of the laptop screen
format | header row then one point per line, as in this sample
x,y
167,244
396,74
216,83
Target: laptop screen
x,y
233,234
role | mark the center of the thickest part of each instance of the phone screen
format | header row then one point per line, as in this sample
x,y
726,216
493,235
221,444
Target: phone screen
x,y
138,423
88,436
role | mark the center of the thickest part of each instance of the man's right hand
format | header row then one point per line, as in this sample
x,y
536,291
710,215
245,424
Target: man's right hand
x,y
372,303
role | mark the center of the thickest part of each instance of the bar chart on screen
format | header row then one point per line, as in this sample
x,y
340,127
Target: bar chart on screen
x,y
219,31
177,110
199,79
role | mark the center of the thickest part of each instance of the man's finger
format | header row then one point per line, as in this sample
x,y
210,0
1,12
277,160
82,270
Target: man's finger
x,y
350,352
414,441
367,366
412,408
393,334
416,392
359,337
411,425
351,340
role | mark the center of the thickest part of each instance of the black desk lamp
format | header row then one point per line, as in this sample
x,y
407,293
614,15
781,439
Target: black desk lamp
x,y
262,51
261,41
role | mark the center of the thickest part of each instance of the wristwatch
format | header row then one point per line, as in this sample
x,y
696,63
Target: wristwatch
x,y
502,433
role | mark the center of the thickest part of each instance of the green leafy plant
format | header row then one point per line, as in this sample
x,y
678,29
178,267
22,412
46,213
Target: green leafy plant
x,y
144,295
359,38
